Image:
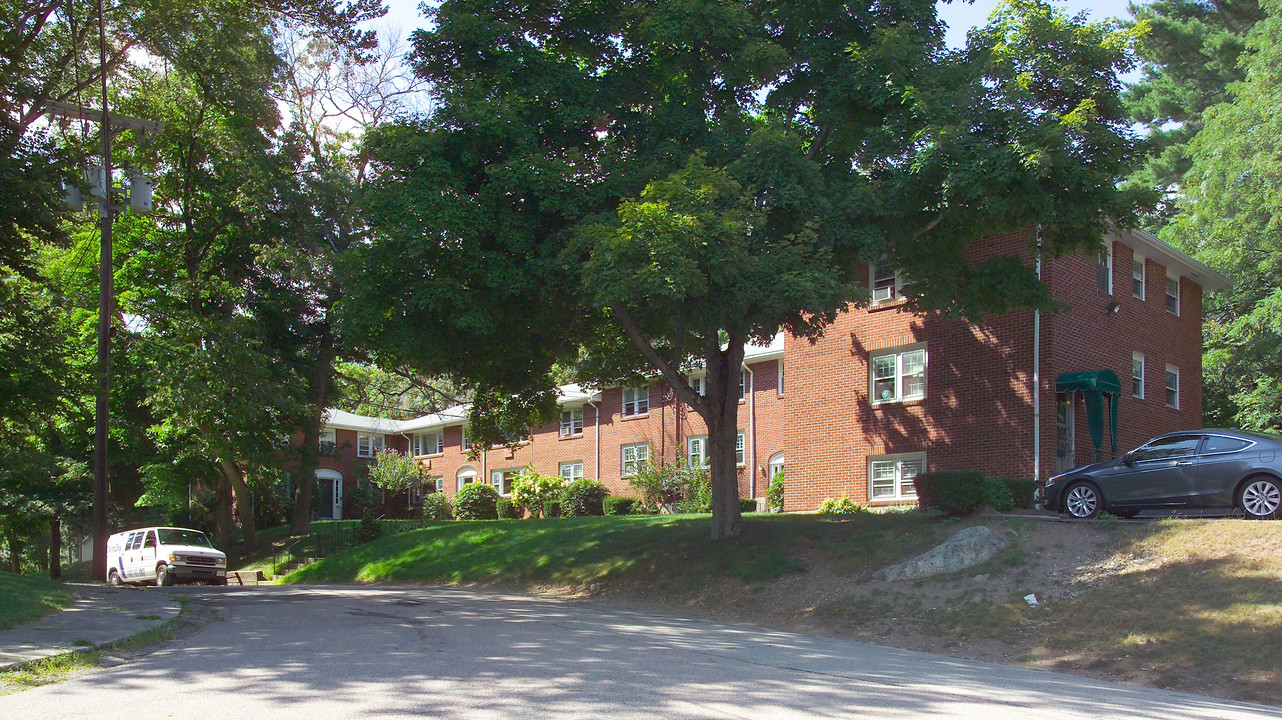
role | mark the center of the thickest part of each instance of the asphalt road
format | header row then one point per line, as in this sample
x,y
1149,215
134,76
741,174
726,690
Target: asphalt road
x,y
323,653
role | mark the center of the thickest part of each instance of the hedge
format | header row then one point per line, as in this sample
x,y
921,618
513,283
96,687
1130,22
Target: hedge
x,y
583,497
954,492
613,505
1021,491
477,501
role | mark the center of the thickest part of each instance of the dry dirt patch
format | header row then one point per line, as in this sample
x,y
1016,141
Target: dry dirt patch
x,y
1193,605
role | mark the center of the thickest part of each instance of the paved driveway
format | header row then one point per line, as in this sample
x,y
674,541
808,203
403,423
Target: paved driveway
x,y
329,652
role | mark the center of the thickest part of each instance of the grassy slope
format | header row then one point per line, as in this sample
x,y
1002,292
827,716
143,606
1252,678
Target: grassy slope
x,y
24,598
580,551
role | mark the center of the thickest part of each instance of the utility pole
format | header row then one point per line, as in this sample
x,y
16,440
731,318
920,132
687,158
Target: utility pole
x,y
139,201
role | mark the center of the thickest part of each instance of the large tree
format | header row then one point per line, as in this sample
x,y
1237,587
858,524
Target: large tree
x,y
642,188
1190,51
1230,220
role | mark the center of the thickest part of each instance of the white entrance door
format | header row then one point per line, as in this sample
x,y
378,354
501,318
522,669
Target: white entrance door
x,y
338,498
1065,434
329,485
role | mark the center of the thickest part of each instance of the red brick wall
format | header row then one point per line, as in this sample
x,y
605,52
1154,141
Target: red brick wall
x,y
978,409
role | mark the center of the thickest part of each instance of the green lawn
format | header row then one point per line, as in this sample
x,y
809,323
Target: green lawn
x,y
24,598
580,551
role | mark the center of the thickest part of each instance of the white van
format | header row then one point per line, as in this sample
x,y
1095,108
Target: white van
x,y
164,556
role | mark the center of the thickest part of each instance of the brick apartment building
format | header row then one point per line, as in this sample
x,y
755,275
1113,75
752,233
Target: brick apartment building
x,y
884,395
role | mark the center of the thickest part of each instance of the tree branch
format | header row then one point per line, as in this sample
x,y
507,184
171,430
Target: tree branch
x,y
670,374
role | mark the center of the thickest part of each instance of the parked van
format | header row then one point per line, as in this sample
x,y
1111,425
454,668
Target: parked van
x,y
164,556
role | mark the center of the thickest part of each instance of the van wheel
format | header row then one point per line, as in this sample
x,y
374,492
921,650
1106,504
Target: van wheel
x,y
164,578
113,578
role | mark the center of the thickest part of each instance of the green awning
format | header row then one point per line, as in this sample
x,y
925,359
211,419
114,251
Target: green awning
x,y
1094,386
1101,380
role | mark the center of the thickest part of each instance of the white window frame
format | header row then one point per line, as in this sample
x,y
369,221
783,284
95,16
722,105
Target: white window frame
x,y
496,479
1104,269
438,484
779,386
464,476
899,354
697,448
740,444
1137,378
887,292
1139,278
743,384
429,444
466,442
575,468
1172,372
572,422
903,486
699,383
1173,299
640,458
327,437
636,401
367,444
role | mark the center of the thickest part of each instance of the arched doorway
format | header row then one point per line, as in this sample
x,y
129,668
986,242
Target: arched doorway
x,y
330,484
775,466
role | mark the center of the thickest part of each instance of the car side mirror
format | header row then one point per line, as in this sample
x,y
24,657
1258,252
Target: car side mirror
x,y
1128,460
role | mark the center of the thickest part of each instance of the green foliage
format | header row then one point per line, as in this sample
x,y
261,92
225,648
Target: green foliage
x,y
953,492
747,505
658,483
552,508
1021,492
395,471
617,505
436,506
476,501
997,495
840,506
508,510
1190,52
530,490
369,528
583,497
1229,220
774,493
696,491
363,500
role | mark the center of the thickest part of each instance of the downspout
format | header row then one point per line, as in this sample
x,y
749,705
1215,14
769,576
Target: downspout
x,y
750,456
596,420
1037,375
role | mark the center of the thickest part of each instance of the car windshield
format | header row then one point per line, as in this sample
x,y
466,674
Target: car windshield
x,y
171,536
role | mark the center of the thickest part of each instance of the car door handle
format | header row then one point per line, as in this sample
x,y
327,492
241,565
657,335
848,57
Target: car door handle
x,y
1180,463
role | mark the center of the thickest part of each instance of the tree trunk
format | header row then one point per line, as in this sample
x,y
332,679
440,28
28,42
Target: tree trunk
x,y
222,511
722,418
55,547
15,552
308,454
244,501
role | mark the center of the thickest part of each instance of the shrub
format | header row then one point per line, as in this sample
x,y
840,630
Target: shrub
x,y
997,495
477,501
954,492
583,497
658,483
508,510
840,506
1021,491
613,505
774,493
530,490
747,505
696,491
369,529
362,500
436,507
551,508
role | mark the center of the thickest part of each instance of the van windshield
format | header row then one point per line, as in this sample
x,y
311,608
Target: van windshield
x,y
171,536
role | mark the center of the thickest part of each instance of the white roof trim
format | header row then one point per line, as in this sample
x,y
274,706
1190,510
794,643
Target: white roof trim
x,y
1153,248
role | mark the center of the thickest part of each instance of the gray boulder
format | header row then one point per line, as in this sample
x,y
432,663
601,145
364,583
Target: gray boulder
x,y
968,547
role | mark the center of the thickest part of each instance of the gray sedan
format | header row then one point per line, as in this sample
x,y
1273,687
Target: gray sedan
x,y
1193,469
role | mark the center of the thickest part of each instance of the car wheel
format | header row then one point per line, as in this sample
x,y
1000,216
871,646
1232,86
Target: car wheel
x,y
1082,501
164,578
113,578
1260,498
